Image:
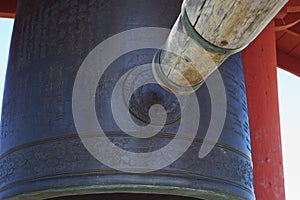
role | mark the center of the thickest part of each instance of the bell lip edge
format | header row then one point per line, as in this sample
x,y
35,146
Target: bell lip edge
x,y
129,189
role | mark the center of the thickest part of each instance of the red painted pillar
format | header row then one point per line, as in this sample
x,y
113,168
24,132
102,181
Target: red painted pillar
x,y
259,61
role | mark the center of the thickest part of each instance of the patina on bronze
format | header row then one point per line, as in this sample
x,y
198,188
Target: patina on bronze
x,y
42,156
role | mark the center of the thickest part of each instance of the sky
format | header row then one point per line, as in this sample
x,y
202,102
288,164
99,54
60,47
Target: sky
x,y
6,26
289,105
289,108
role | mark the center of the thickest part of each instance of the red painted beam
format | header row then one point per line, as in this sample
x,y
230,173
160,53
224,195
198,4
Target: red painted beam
x,y
288,21
288,63
295,30
259,61
8,8
288,16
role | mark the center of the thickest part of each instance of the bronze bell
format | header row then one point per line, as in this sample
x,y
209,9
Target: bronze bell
x,y
42,154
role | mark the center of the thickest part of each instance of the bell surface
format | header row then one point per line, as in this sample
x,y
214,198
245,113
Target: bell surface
x,y
44,156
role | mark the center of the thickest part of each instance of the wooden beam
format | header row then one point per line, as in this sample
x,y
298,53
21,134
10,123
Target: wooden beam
x,y
216,29
234,24
288,16
293,3
7,15
288,21
8,8
295,30
293,9
288,63
292,33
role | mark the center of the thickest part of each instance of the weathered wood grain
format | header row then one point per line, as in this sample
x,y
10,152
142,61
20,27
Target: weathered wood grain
x,y
232,24
222,25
